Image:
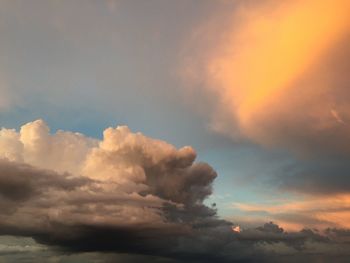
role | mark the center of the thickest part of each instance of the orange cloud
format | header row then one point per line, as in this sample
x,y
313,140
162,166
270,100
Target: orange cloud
x,y
273,69
312,212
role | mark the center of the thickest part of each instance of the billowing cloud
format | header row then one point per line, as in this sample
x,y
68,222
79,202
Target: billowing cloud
x,y
65,187
132,162
124,167
278,72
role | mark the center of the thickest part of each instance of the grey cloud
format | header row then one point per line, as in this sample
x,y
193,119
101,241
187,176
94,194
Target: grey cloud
x,y
327,174
181,184
19,182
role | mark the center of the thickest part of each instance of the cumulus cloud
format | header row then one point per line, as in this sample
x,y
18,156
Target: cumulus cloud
x,y
65,186
123,162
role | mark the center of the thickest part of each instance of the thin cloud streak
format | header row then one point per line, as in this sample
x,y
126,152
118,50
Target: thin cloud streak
x,y
311,211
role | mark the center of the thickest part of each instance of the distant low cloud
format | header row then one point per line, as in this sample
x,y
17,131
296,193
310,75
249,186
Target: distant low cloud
x,y
315,212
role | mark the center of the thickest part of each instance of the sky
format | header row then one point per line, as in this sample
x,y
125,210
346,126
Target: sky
x,y
174,131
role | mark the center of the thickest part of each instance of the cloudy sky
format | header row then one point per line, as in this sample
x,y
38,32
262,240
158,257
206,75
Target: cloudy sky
x,y
174,130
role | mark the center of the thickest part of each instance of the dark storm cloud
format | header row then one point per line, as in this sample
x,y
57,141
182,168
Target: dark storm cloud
x,y
32,192
20,182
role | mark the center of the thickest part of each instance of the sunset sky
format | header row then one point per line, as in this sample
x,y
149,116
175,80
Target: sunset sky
x,y
174,131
